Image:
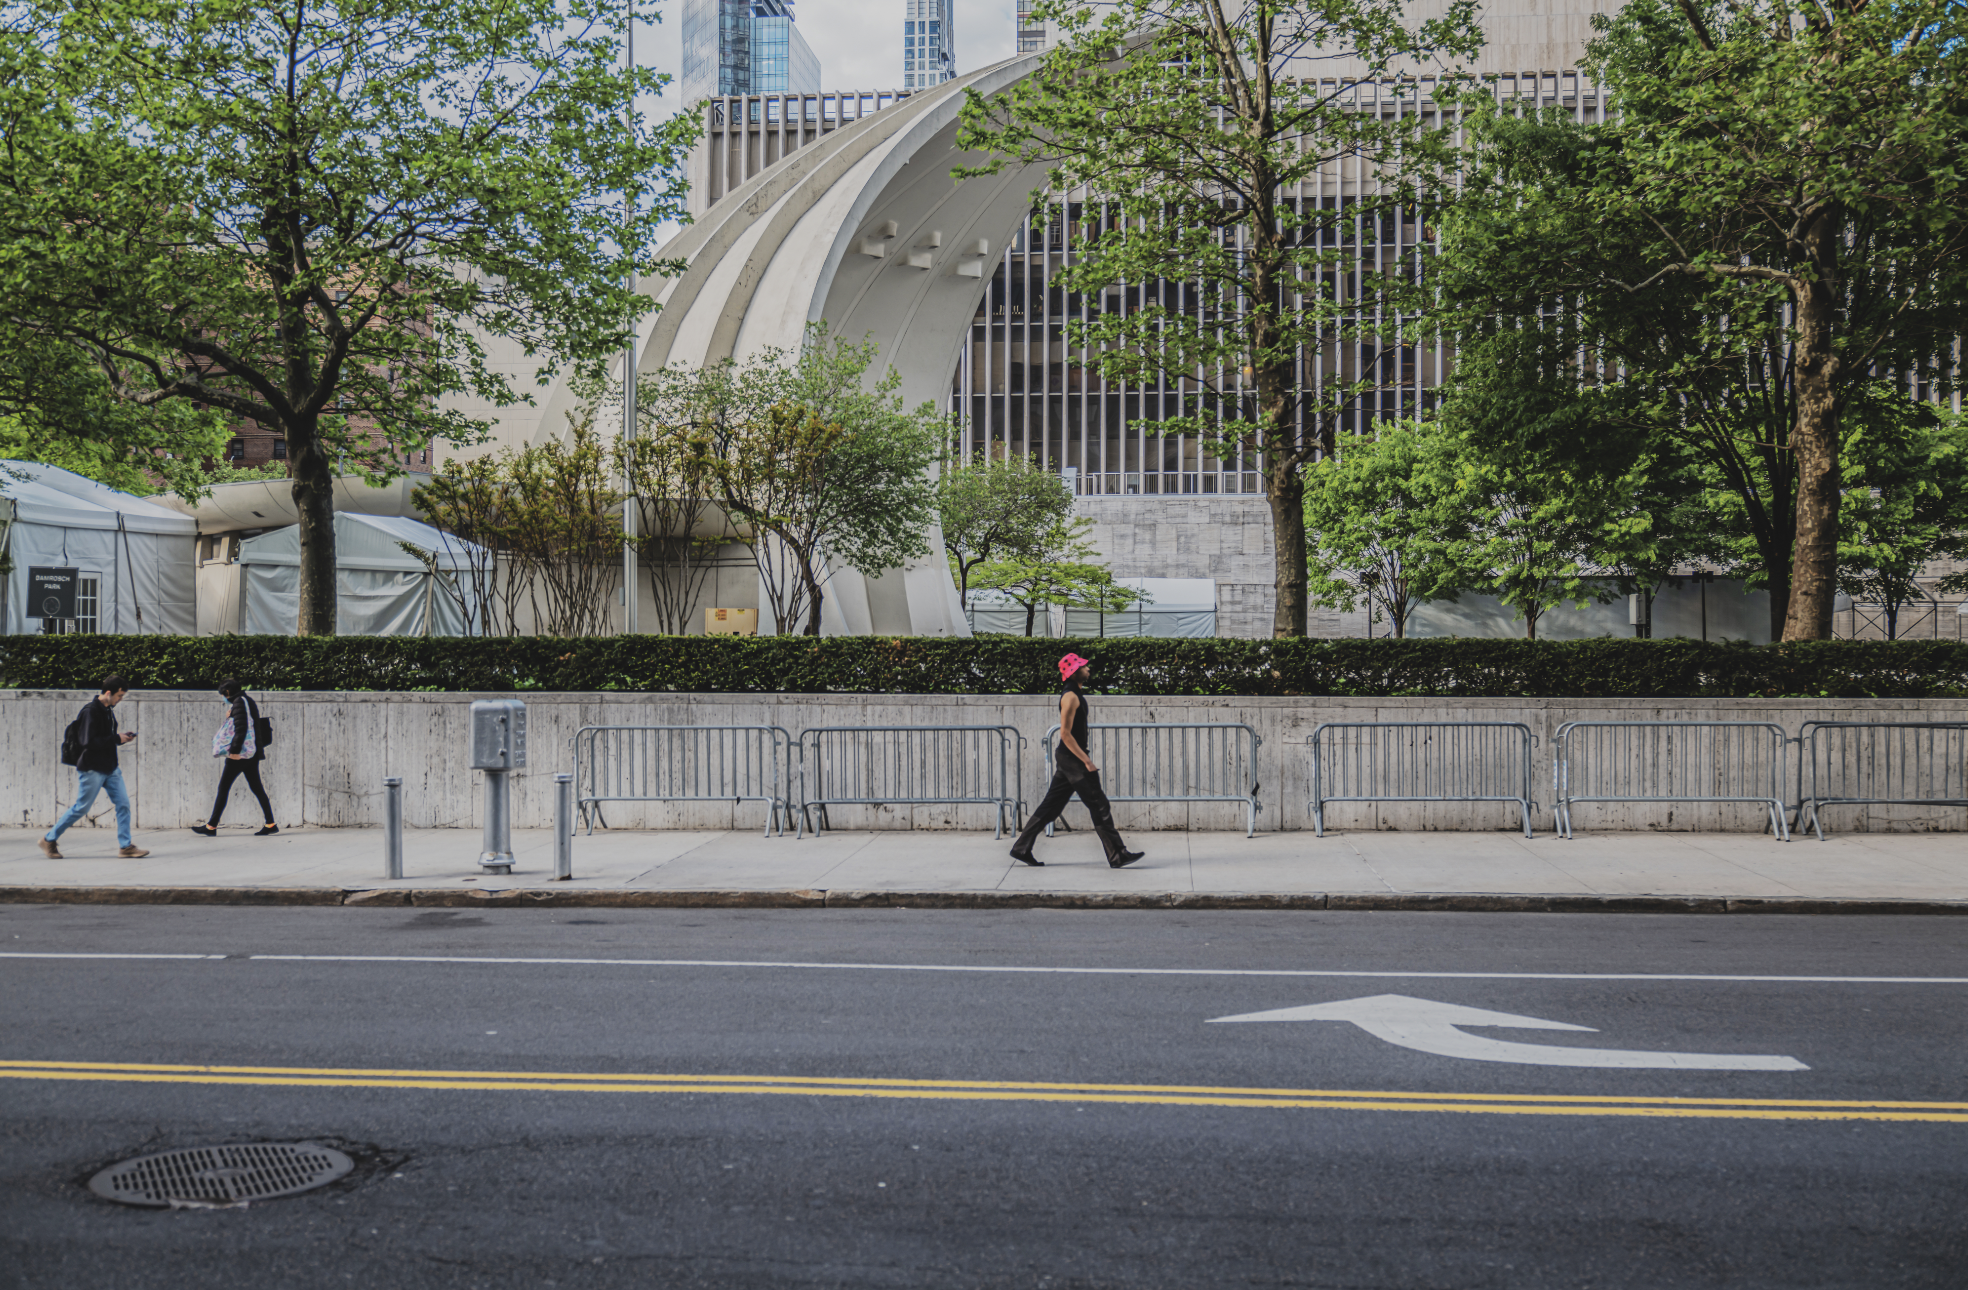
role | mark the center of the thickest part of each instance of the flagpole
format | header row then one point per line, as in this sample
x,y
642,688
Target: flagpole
x,y
631,591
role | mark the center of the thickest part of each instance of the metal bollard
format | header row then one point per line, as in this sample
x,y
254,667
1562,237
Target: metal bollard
x,y
393,826
563,827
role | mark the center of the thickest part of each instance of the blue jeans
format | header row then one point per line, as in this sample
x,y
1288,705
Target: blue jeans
x,y
87,784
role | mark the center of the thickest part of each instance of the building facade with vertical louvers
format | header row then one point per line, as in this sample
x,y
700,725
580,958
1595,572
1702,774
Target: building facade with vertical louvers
x,y
1163,505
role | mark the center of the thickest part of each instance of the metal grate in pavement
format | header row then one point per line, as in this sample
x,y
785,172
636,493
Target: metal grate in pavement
x,y
223,1175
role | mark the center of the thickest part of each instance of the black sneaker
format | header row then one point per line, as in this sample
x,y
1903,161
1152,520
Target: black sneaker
x,y
205,830
267,831
1124,859
1026,857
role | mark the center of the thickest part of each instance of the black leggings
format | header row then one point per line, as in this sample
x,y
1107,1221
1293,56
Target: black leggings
x,y
1058,793
250,768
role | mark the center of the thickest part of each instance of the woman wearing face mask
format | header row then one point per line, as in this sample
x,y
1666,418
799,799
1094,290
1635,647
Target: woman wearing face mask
x,y
243,757
1074,772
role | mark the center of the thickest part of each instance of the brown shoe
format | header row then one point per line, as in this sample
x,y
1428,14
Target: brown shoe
x,y
133,853
50,850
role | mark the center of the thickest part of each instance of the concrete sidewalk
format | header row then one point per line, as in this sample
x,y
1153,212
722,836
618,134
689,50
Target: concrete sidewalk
x,y
1624,872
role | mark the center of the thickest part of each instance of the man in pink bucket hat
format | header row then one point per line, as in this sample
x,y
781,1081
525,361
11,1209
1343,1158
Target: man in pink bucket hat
x,y
1074,772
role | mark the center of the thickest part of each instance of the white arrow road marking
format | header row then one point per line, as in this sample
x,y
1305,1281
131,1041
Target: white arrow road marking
x,y
1431,1027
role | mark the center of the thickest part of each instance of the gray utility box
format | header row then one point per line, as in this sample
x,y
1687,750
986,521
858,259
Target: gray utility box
x,y
498,734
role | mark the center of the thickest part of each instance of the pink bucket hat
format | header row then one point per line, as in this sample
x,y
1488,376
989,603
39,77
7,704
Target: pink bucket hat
x,y
1069,665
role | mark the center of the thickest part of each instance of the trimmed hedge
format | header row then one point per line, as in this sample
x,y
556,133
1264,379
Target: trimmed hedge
x,y
1604,668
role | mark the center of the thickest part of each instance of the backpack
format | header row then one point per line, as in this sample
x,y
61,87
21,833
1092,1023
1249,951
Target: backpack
x,y
75,739
262,726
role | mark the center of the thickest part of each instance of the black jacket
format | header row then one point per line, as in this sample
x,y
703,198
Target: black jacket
x,y
99,738
244,713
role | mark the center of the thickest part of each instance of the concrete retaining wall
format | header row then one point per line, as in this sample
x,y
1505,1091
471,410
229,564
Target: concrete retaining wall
x,y
332,750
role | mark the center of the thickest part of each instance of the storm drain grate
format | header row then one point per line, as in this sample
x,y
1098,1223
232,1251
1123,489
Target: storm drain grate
x,y
224,1175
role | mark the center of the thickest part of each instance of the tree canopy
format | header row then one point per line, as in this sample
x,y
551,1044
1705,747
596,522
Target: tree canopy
x,y
311,216
1758,256
995,508
817,467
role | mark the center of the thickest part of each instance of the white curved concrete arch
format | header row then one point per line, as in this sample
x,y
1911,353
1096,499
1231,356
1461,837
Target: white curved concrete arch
x,y
786,249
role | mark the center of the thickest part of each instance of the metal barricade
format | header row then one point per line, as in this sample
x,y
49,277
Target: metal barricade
x,y
1151,762
911,766
1421,761
1669,761
1853,763
683,764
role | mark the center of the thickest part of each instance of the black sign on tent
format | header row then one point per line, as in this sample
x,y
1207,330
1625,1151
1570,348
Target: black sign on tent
x,y
51,592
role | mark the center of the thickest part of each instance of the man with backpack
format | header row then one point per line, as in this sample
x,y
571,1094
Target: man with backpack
x,y
89,744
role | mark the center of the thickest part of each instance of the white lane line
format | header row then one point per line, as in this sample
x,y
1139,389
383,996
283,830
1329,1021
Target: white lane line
x,y
1094,971
27,954
489,960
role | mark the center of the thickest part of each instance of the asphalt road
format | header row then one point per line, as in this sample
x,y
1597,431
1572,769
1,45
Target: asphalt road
x,y
891,1106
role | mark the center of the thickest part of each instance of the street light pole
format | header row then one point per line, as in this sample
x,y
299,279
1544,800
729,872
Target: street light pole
x,y
630,507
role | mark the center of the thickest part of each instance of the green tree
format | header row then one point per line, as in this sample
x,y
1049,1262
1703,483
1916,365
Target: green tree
x,y
311,215
1372,538
1771,216
469,501
1534,532
817,467
1196,125
1905,506
994,508
1056,565
562,527
678,529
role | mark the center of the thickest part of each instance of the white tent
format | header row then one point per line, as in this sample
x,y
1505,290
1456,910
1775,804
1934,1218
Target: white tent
x,y
380,589
133,558
993,611
1173,607
1170,607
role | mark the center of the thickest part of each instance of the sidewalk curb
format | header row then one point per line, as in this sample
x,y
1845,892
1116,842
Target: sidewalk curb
x,y
1349,902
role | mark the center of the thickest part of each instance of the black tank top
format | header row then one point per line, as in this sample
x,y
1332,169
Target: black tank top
x,y
1079,733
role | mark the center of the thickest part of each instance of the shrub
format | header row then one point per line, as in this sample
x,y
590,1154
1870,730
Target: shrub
x,y
1603,668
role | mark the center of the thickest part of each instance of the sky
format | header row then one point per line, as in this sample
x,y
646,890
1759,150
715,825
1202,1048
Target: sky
x,y
858,42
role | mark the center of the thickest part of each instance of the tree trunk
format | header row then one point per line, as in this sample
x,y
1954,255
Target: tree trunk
x,y
1285,489
314,499
814,596
1814,565
1031,615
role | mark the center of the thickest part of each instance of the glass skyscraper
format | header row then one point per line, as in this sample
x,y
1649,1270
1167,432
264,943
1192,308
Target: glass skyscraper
x,y
929,34
744,47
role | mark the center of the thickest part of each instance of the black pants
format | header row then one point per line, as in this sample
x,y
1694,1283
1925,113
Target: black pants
x,y
1058,794
250,768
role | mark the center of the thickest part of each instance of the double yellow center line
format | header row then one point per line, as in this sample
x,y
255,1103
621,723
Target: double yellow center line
x,y
995,1091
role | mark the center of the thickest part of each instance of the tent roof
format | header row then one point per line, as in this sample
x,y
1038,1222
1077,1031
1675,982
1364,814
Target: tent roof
x,y
363,542
44,494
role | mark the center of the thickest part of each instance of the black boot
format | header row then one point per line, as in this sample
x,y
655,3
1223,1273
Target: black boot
x,y
1026,857
1122,859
